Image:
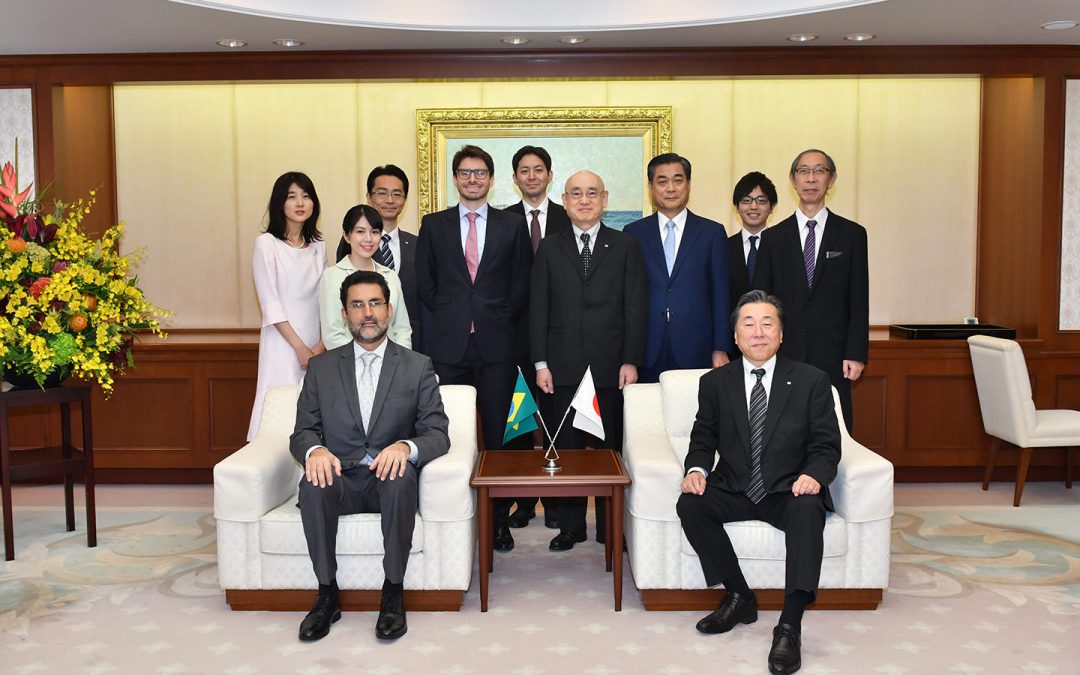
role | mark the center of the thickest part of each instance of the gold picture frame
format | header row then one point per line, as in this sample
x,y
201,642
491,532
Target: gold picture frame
x,y
617,141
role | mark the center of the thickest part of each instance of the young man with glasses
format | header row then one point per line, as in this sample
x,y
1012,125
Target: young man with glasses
x,y
754,198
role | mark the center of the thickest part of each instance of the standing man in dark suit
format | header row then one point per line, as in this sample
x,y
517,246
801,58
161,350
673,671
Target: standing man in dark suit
x,y
362,455
472,274
686,261
543,217
587,310
387,190
754,198
816,262
773,423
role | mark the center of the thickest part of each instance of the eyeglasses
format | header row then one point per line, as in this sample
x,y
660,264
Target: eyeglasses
x,y
375,305
760,200
383,193
578,195
465,173
818,170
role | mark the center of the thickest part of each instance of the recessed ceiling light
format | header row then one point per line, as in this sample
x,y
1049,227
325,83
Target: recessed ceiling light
x,y
231,43
859,37
288,42
1059,25
573,39
801,37
515,40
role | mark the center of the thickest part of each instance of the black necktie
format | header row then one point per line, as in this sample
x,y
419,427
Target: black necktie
x,y
758,407
586,254
751,259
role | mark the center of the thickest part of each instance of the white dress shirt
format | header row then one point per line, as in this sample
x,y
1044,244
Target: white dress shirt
x,y
541,217
680,225
746,234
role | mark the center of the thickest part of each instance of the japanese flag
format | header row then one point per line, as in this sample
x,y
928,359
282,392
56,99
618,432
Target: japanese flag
x,y
587,407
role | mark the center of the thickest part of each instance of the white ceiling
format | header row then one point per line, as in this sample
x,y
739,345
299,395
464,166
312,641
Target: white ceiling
x,y
134,26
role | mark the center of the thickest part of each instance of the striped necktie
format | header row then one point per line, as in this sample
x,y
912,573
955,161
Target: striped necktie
x,y
758,407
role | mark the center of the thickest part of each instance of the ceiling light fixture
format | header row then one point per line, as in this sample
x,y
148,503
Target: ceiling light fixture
x,y
231,43
288,42
573,39
859,37
1059,25
515,40
801,37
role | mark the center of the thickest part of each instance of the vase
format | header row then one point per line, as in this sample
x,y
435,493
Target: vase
x,y
24,381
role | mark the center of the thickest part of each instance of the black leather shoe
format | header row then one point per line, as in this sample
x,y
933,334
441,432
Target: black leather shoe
x,y
733,610
520,518
786,653
551,521
391,624
316,625
504,541
565,542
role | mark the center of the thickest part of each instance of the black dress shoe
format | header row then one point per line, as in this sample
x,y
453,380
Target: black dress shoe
x,y
733,610
316,625
504,541
520,518
391,624
565,542
786,653
551,521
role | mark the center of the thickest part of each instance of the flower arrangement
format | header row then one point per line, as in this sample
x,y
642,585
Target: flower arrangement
x,y
67,302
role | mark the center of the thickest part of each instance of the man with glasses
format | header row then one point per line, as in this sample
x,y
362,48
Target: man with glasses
x,y
387,190
586,310
815,261
754,198
472,275
686,261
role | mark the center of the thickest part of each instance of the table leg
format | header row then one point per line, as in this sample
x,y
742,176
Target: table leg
x,y
88,471
65,452
484,508
5,478
617,535
607,529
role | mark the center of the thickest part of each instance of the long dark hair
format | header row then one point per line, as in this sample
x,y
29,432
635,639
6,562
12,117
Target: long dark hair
x,y
276,208
352,217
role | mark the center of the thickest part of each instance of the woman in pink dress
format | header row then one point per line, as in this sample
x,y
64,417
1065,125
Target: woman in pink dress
x,y
289,260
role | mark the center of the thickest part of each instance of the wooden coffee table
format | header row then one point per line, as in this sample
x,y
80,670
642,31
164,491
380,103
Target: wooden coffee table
x,y
519,473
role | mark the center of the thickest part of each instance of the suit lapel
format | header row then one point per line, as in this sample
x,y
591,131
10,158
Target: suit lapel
x,y
452,225
778,397
738,257
653,243
795,248
391,357
347,370
736,390
494,233
568,248
827,242
691,231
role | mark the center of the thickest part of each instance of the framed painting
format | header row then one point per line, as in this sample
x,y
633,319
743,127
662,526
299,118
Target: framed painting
x,y
616,143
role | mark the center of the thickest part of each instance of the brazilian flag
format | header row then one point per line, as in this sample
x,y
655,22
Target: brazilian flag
x,y
520,419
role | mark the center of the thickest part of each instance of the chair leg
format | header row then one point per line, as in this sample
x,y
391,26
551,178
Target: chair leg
x,y
1069,466
991,457
1021,474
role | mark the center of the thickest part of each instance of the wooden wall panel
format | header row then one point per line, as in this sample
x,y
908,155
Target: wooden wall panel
x,y
942,413
868,397
230,409
146,416
83,139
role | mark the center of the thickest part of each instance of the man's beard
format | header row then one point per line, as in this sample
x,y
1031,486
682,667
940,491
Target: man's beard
x,y
357,333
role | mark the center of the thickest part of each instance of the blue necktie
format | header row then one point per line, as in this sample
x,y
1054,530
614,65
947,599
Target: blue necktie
x,y
669,246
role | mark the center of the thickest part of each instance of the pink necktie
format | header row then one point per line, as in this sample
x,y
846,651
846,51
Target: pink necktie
x,y
472,250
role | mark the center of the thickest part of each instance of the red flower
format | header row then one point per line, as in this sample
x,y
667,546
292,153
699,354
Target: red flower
x,y
38,287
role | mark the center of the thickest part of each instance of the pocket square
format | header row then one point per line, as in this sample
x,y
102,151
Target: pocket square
x,y
833,254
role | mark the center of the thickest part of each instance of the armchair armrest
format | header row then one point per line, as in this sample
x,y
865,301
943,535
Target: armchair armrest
x,y
863,489
255,479
445,495
649,457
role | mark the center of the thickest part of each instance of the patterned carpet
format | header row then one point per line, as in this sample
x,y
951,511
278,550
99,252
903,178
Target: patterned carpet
x,y
974,590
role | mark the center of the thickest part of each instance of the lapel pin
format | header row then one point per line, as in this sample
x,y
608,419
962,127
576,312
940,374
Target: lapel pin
x,y
789,383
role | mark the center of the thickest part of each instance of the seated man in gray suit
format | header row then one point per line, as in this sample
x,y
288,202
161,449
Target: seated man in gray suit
x,y
368,418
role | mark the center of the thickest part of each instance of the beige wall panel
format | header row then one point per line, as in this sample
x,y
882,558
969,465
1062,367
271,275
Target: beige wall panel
x,y
537,94
917,169
387,126
176,188
292,127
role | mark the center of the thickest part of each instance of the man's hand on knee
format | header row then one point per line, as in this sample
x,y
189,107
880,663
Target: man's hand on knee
x,y
391,461
321,467
805,485
694,483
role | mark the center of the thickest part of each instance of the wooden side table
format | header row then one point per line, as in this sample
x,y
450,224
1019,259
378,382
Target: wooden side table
x,y
519,473
63,460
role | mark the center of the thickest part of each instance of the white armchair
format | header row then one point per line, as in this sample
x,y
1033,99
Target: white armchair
x,y
1008,410
666,570
263,560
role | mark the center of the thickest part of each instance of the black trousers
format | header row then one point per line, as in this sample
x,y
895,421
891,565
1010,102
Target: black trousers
x,y
802,520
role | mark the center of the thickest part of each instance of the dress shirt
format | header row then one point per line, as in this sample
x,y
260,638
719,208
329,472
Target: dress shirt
x,y
819,229
376,370
680,225
481,228
746,234
542,216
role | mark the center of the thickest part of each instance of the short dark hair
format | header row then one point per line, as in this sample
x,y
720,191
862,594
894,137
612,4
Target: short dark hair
x,y
352,217
749,298
364,277
275,209
474,152
667,158
387,170
752,180
531,150
828,160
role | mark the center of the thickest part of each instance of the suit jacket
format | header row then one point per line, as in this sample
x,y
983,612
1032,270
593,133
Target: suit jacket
x,y
492,303
578,321
738,282
406,269
830,322
693,301
801,430
407,406
556,220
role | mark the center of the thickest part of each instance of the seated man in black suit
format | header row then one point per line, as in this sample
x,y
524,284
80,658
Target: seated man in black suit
x,y
772,421
368,418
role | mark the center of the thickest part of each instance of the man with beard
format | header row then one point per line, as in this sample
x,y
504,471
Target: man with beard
x,y
361,455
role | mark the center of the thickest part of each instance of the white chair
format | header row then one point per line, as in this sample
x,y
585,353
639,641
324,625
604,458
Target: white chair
x,y
666,570
1008,410
263,560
